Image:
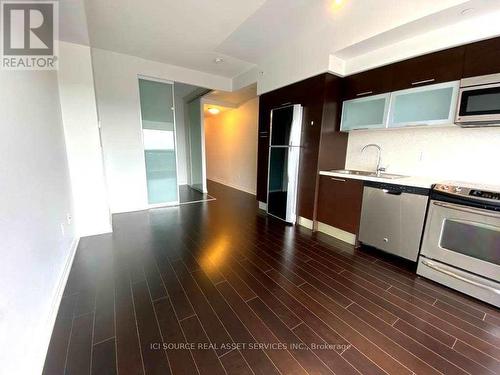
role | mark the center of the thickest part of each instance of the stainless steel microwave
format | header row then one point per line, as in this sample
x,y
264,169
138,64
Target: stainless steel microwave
x,y
479,101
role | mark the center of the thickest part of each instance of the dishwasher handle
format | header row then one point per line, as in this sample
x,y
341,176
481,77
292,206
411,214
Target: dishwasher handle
x,y
392,192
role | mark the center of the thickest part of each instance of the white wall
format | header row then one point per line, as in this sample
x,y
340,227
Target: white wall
x,y
231,146
79,113
35,197
450,153
118,106
297,61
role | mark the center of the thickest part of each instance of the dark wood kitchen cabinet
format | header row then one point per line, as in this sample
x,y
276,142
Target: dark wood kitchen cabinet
x,y
482,58
340,202
437,67
263,147
371,82
324,147
320,113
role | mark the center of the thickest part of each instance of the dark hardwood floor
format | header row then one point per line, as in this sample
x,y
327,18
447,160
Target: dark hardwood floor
x,y
189,195
218,287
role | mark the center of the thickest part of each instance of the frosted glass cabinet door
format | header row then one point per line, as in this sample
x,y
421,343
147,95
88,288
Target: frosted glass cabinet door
x,y
365,113
428,105
158,130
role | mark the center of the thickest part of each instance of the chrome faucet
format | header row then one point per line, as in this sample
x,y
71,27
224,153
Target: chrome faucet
x,y
379,168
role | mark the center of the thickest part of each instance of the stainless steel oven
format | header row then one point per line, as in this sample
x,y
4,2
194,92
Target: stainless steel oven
x,y
479,101
461,243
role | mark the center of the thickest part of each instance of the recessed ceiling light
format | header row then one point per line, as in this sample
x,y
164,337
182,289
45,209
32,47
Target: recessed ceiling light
x,y
214,111
218,60
466,11
336,4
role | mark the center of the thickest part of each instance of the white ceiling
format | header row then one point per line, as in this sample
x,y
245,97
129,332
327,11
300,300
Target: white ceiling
x,y
232,98
281,22
440,19
179,32
247,33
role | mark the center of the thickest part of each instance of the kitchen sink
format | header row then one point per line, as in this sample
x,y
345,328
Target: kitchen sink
x,y
368,174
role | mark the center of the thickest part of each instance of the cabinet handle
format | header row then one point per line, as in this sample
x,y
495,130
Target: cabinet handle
x,y
337,179
424,81
364,93
263,136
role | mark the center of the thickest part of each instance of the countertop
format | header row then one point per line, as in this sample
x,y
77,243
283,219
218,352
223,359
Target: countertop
x,y
422,182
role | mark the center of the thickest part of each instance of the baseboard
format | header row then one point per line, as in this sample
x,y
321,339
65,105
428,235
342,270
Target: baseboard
x,y
337,233
237,187
51,320
304,222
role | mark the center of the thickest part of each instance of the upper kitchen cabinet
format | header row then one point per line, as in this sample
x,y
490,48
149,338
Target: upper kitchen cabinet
x,y
482,58
427,105
372,82
365,113
442,66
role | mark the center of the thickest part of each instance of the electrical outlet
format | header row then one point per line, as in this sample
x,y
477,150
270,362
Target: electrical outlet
x,y
68,219
62,229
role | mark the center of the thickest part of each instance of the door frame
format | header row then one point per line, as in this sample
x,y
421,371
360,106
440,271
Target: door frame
x,y
163,204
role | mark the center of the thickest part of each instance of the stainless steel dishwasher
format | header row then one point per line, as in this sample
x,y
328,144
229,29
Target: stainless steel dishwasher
x,y
392,218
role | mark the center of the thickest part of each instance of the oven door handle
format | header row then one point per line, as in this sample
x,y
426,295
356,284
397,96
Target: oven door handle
x,y
465,209
459,277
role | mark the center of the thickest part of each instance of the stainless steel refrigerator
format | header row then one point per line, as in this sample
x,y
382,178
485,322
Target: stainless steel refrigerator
x,y
284,155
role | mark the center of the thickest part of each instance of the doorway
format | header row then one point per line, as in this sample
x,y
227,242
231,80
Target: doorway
x,y
173,140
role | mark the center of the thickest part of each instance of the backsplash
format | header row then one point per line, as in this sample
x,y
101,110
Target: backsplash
x,y
446,153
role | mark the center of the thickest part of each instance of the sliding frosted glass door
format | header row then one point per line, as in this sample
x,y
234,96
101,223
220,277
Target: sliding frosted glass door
x,y
158,127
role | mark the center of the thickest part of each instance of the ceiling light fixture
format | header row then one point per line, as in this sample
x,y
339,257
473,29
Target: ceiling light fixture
x,y
214,111
218,60
336,4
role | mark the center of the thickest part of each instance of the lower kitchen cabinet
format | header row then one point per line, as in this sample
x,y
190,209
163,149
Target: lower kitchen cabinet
x,y
339,203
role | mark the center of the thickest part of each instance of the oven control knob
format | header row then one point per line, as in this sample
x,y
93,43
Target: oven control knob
x,y
445,187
